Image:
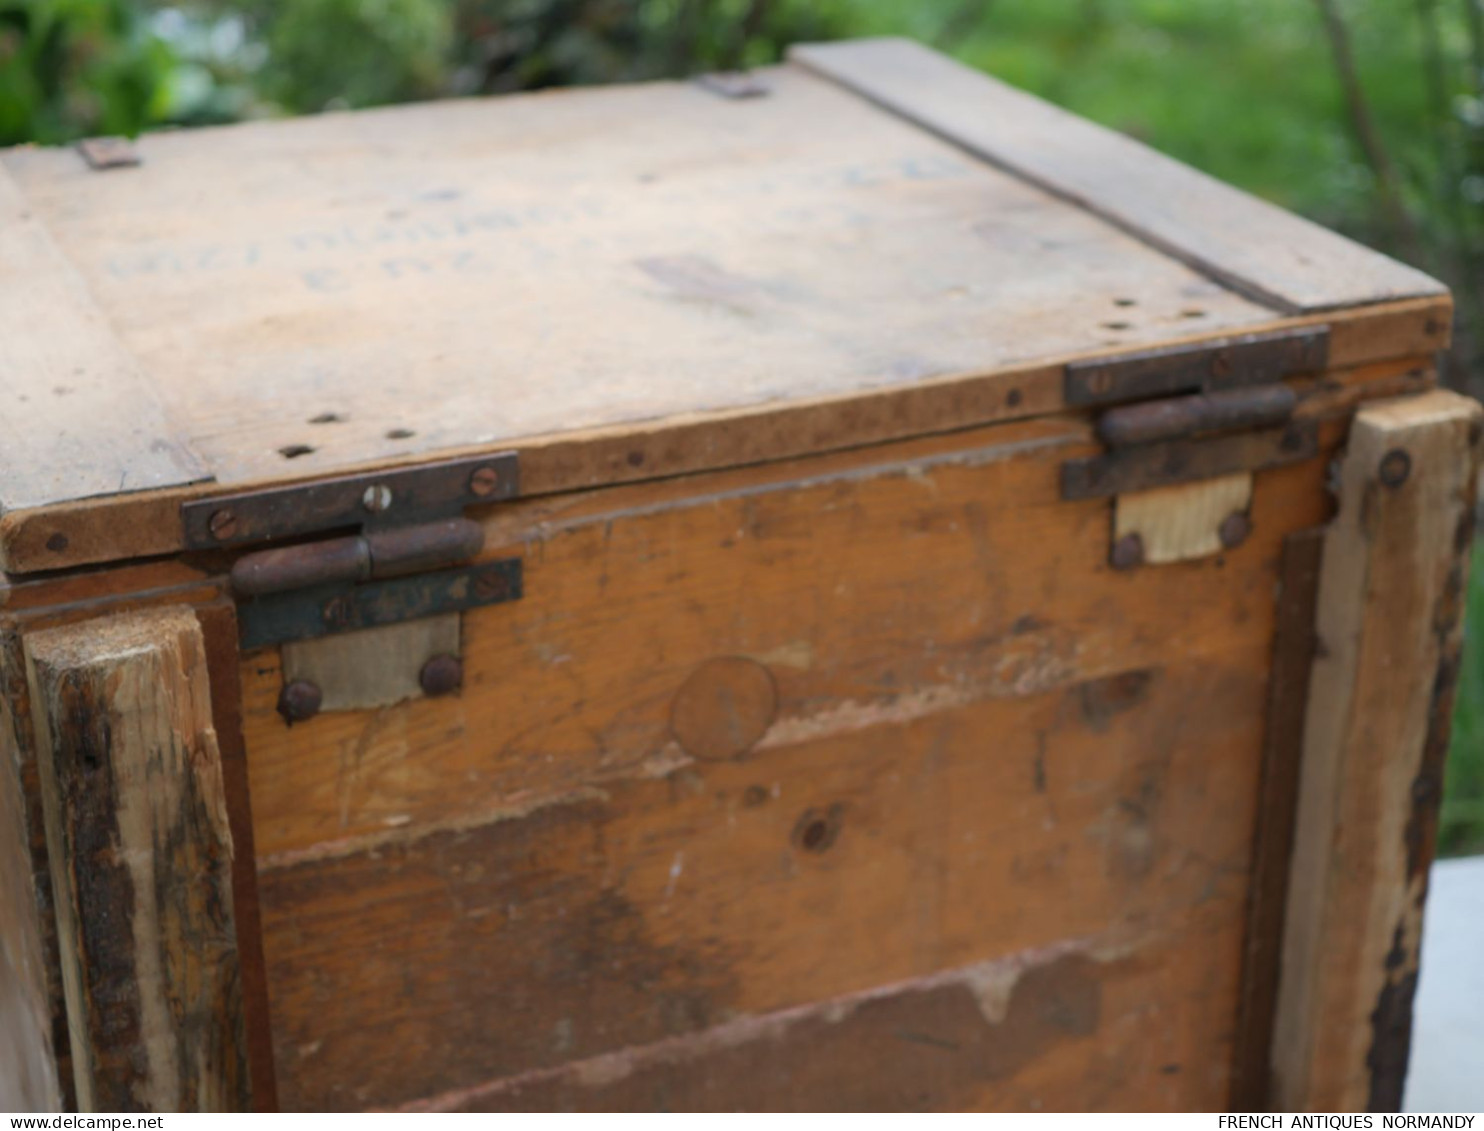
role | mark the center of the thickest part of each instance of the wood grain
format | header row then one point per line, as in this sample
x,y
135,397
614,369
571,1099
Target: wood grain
x,y
1390,599
1063,1028
1294,645
594,848
35,1065
141,860
1384,350
1254,247
81,417
658,907
885,582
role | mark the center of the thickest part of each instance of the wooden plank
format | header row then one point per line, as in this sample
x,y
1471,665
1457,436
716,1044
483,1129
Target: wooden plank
x,y
1252,246
1177,524
1064,1028
832,572
1390,598
659,906
1401,337
141,860
218,621
35,1067
408,276
81,417
1288,698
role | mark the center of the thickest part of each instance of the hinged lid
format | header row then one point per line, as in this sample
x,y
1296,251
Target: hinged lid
x,y
616,283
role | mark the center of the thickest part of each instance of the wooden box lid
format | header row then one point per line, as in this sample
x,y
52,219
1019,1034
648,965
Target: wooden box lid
x,y
617,283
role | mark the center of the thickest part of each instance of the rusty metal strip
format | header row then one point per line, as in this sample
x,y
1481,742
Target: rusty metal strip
x,y
1294,646
304,614
1246,359
1174,418
109,153
1182,461
372,499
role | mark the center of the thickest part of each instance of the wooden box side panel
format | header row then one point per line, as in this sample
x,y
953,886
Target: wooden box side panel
x,y
809,749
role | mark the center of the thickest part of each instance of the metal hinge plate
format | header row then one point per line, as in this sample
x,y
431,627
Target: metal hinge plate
x,y
397,568
371,499
303,614
1247,359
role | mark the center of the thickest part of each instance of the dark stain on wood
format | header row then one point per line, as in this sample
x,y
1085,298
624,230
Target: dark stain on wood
x,y
1294,648
1391,1027
922,1047
1099,700
523,962
219,635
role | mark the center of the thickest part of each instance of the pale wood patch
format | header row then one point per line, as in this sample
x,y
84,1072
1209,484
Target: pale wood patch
x,y
373,668
1182,522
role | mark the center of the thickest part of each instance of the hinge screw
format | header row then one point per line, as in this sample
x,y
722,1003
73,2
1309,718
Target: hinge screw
x,y
1128,552
377,498
299,700
484,481
441,675
337,612
223,525
1234,530
1396,465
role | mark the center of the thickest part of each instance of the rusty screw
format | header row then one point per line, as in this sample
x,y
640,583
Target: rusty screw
x,y
1234,529
484,481
337,612
1396,465
299,700
223,525
1128,552
490,585
1221,364
441,675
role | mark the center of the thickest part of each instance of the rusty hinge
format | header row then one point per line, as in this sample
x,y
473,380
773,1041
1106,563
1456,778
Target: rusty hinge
x,y
396,533
1235,414
1243,360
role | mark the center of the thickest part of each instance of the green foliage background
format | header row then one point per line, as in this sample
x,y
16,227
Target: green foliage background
x,y
1364,114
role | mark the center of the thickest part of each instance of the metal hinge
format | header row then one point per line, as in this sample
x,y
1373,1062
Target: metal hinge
x,y
400,549
1206,417
1236,415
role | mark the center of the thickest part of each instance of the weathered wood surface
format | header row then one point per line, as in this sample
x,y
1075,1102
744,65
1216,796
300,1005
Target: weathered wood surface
x,y
1294,644
1064,1028
141,858
35,1066
81,418
1390,599
762,739
1401,337
1256,248
418,272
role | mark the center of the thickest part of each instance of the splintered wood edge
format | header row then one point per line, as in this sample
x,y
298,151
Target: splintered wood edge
x,y
144,524
129,762
1254,247
1388,630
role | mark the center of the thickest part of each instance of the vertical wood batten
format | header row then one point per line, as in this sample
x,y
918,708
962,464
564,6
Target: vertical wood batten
x,y
1388,628
141,859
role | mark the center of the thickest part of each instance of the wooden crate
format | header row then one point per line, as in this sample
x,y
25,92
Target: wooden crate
x,y
847,587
